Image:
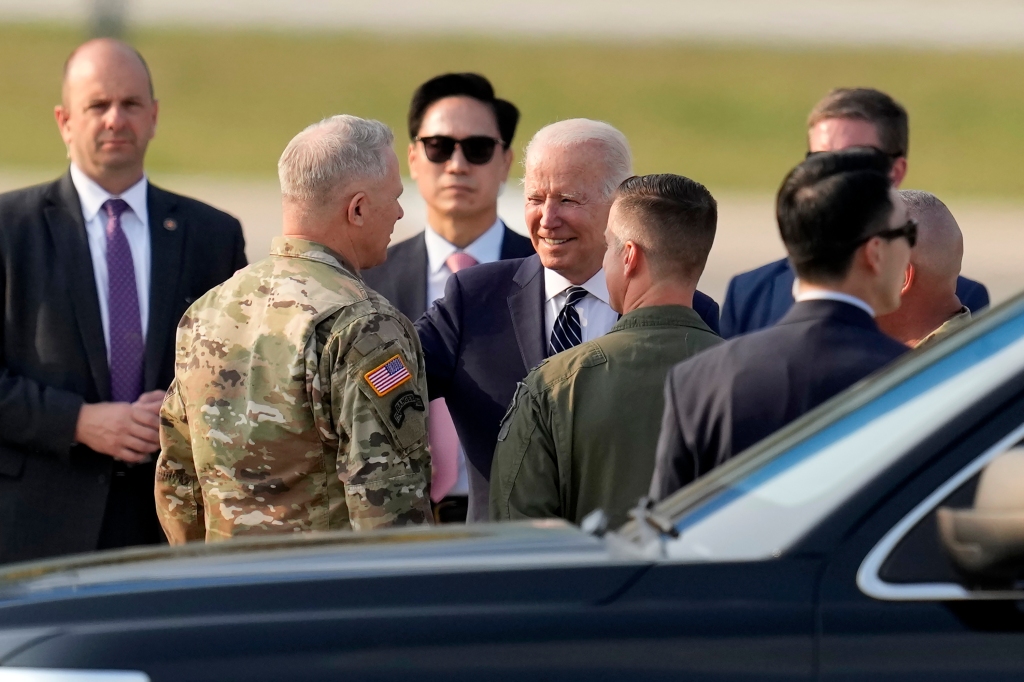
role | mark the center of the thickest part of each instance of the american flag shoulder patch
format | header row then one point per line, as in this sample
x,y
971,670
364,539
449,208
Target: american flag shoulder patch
x,y
388,376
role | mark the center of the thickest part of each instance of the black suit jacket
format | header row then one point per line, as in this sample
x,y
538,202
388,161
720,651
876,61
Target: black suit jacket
x,y
480,340
759,298
729,397
53,356
402,278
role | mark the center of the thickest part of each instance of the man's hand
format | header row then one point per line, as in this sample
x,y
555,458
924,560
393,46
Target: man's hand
x,y
126,431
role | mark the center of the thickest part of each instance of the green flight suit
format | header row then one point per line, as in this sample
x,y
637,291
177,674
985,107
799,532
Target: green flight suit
x,y
582,430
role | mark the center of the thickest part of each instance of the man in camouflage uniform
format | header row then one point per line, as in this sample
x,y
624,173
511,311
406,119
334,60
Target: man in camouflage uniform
x,y
299,398
583,428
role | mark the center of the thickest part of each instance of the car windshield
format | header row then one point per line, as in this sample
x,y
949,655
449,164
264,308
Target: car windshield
x,y
761,503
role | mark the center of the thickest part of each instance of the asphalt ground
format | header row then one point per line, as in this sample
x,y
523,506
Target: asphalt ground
x,y
747,236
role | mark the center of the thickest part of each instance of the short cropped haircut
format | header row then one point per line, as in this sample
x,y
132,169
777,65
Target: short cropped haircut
x,y
877,108
327,155
463,85
576,132
828,205
672,219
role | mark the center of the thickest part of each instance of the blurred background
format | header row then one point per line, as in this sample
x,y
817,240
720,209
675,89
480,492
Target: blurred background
x,y
715,91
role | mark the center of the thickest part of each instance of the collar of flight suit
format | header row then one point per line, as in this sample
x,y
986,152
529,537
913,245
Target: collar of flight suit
x,y
661,316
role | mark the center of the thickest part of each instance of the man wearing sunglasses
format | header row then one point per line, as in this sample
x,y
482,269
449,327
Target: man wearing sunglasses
x,y
930,308
849,238
845,118
459,156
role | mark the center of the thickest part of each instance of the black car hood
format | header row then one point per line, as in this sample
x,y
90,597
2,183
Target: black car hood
x,y
421,550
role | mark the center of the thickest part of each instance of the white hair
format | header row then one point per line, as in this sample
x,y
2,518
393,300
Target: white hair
x,y
576,132
331,153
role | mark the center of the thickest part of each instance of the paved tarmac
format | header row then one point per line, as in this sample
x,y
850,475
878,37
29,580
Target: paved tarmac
x,y
747,236
989,24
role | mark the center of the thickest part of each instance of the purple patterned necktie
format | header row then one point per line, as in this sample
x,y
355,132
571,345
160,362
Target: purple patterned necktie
x,y
126,345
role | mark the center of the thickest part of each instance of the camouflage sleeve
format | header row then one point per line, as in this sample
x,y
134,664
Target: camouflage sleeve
x,y
524,472
378,396
179,499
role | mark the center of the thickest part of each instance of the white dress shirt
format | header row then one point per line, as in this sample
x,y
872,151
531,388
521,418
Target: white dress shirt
x,y
134,224
829,295
485,249
596,315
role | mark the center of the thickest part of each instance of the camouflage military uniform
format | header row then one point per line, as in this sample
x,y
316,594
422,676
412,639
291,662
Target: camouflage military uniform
x,y
298,403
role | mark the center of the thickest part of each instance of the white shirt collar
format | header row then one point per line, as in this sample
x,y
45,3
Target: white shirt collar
x,y
829,295
485,249
92,196
554,284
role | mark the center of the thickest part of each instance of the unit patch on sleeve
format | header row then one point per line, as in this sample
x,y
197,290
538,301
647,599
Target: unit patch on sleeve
x,y
402,403
388,377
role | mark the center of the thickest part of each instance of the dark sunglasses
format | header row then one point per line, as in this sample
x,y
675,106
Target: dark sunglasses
x,y
908,230
478,149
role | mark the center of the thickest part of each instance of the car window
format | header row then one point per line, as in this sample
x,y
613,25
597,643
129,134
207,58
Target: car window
x,y
910,563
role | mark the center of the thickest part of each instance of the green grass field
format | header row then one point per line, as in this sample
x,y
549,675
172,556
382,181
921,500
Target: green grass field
x,y
730,117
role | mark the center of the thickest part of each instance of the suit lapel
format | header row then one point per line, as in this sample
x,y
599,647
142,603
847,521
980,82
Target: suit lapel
x,y
414,275
167,239
526,305
67,229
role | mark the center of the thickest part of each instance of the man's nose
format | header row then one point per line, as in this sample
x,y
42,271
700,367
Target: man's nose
x,y
551,214
115,116
457,164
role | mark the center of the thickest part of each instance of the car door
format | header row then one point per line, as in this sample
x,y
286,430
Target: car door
x,y
892,605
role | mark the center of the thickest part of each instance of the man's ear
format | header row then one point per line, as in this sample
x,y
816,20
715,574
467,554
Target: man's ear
x,y
357,209
507,157
60,114
631,257
871,254
908,279
413,156
898,171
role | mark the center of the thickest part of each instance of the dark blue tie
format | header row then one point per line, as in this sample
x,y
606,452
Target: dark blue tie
x,y
567,332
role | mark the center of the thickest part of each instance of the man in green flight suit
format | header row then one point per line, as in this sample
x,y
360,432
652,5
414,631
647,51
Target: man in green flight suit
x,y
582,429
299,397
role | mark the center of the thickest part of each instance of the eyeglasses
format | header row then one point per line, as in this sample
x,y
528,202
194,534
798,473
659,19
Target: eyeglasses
x,y
478,149
908,230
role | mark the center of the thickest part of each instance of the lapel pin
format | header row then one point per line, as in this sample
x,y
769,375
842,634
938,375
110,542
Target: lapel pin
x,y
171,224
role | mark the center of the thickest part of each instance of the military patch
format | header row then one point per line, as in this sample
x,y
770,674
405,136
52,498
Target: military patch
x,y
402,403
388,376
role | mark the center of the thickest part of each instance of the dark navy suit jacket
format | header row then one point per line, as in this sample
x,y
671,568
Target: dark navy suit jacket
x,y
402,278
729,397
479,341
759,298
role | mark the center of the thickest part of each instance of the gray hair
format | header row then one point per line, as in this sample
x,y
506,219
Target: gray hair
x,y
576,132
330,154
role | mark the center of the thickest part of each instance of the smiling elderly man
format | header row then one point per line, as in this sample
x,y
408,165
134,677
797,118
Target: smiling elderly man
x,y
497,321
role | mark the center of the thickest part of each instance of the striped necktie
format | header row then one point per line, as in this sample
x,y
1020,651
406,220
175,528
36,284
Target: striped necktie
x,y
567,331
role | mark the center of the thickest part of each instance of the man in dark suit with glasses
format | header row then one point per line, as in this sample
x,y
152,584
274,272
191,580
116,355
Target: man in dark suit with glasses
x,y
459,156
849,238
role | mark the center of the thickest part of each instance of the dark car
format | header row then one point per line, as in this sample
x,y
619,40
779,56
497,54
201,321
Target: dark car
x,y
846,547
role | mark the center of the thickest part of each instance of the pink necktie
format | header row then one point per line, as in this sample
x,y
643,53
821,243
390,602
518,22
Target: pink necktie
x,y
444,440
